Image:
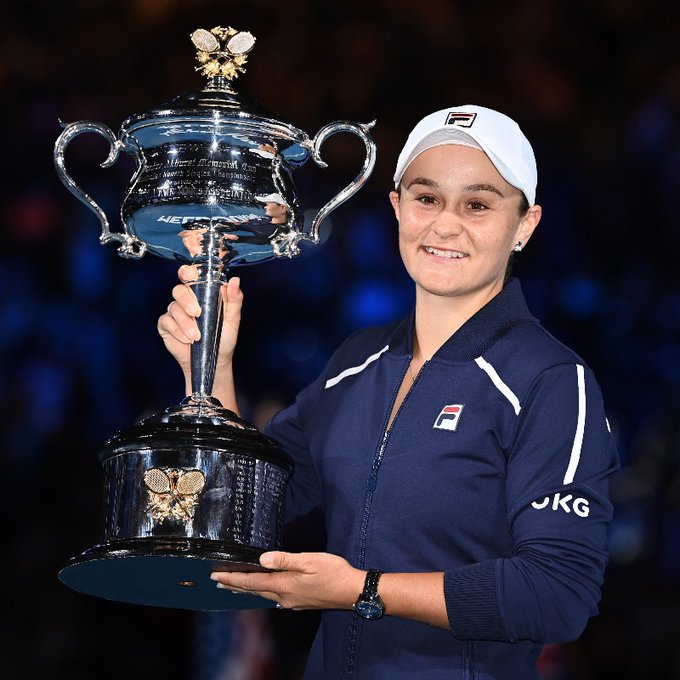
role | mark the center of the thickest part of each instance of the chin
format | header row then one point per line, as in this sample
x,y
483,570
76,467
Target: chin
x,y
440,289
459,289
439,281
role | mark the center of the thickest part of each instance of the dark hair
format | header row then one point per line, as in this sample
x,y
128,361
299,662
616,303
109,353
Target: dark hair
x,y
523,205
523,210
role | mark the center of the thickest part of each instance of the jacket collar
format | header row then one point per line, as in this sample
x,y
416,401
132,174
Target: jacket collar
x,y
503,312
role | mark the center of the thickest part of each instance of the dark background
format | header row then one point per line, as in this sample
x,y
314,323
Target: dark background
x,y
596,87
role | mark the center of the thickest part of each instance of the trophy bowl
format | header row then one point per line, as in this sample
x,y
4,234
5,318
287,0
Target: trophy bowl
x,y
196,488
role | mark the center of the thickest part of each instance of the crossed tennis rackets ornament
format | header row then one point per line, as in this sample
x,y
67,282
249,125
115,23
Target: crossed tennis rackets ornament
x,y
173,493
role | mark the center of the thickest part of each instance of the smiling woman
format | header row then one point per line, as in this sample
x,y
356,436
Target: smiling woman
x,y
458,223
445,449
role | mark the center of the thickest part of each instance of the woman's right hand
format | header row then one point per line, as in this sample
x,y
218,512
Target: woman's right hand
x,y
178,327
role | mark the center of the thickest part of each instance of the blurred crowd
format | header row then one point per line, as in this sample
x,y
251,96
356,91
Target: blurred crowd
x,y
596,86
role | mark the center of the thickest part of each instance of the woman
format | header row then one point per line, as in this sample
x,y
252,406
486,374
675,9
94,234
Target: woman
x,y
461,455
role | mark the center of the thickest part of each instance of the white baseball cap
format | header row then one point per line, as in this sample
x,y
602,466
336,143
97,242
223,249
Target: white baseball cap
x,y
498,136
272,198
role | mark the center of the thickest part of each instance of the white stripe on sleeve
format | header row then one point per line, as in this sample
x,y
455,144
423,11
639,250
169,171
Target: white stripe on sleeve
x,y
500,385
580,427
353,370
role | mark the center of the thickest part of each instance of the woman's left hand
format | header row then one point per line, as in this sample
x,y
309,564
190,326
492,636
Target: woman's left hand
x,y
301,580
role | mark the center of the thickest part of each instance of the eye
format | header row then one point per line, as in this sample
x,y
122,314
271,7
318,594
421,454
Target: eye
x,y
426,199
478,206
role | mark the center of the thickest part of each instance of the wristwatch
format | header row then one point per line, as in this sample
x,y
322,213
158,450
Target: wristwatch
x,y
368,604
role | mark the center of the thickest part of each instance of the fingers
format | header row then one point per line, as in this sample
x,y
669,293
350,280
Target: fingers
x,y
187,273
267,594
179,322
277,559
180,319
233,299
246,582
260,581
185,296
167,326
186,299
298,580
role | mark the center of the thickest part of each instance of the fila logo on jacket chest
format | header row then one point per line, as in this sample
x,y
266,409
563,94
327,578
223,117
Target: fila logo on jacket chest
x,y
449,417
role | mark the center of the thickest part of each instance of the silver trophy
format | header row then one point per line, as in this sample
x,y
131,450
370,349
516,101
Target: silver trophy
x,y
196,488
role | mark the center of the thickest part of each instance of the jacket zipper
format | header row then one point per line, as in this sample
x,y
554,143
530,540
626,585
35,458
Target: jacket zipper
x,y
371,484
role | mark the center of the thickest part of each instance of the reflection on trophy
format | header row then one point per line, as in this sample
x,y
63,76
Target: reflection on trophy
x,y
196,488
275,207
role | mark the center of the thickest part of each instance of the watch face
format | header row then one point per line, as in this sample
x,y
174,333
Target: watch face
x,y
368,610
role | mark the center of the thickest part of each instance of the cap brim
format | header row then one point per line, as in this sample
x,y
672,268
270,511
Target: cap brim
x,y
437,137
449,135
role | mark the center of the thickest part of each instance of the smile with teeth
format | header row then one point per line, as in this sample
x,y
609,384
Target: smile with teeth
x,y
448,254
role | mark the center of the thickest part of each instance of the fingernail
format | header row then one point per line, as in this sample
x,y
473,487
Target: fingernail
x,y
214,576
221,585
266,560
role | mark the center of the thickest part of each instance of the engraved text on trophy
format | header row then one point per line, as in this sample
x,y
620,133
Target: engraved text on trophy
x,y
183,173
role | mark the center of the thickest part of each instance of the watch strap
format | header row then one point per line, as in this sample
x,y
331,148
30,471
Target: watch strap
x,y
371,583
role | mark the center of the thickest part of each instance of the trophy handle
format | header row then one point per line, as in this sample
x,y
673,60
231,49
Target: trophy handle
x,y
361,131
130,246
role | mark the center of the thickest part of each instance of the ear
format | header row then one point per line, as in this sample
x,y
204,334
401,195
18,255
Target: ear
x,y
528,223
394,200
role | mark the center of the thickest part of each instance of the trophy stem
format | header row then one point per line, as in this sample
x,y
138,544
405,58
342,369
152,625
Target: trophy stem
x,y
204,351
212,273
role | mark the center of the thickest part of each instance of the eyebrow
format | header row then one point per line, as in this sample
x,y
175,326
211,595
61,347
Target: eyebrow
x,y
424,181
484,187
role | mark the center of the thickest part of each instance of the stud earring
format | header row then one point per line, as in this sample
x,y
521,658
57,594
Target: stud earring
x,y
518,247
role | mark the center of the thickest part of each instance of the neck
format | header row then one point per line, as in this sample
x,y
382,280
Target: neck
x,y
439,317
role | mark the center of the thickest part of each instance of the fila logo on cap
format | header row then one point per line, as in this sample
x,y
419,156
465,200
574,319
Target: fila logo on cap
x,y
448,417
464,120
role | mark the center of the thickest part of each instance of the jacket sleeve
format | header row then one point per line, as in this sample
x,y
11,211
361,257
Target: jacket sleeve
x,y
303,492
558,510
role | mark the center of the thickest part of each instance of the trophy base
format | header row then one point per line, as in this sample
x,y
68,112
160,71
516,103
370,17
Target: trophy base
x,y
164,573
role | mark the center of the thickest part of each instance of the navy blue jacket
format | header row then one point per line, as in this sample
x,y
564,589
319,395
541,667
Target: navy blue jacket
x,y
495,471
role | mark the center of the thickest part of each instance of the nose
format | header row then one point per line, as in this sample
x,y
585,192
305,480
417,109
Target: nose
x,y
446,224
